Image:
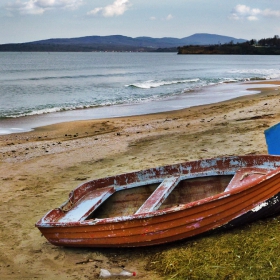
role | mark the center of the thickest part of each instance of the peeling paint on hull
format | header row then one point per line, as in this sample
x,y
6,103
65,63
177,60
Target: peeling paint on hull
x,y
166,204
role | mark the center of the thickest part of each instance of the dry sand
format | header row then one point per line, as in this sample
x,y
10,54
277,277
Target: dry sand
x,y
38,169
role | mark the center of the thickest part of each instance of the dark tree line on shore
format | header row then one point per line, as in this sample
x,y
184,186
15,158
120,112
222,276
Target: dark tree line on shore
x,y
268,46
272,42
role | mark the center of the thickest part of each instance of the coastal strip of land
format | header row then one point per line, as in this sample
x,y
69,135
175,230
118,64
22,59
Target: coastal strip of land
x,y
39,168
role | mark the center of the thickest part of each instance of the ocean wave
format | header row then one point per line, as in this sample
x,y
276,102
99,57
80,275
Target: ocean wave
x,y
257,74
48,110
72,77
62,77
36,112
154,83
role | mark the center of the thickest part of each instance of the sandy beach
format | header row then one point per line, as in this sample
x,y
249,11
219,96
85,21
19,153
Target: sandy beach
x,y
39,168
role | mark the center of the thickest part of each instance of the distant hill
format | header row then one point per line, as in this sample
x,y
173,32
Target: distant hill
x,y
119,43
209,39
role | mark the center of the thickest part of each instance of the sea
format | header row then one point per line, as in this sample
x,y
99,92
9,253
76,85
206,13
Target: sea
x,y
44,88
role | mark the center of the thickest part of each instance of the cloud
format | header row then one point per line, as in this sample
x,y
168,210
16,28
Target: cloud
x,y
116,9
269,13
169,17
36,7
243,12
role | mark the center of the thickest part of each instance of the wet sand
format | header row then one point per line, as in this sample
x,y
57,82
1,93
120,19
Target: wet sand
x,y
39,168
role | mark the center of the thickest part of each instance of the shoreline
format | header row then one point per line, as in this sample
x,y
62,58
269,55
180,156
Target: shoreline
x,y
204,96
41,167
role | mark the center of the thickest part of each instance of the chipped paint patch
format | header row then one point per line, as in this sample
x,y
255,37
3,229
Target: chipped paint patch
x,y
275,200
260,206
208,163
224,196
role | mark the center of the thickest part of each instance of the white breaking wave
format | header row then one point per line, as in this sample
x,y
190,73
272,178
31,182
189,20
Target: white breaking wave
x,y
259,73
38,112
154,84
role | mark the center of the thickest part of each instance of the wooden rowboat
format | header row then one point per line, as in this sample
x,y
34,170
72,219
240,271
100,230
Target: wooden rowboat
x,y
165,204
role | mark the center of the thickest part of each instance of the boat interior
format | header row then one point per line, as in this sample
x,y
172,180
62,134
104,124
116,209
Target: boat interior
x,y
115,201
149,198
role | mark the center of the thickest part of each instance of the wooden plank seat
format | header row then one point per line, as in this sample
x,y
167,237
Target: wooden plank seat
x,y
245,175
87,204
159,195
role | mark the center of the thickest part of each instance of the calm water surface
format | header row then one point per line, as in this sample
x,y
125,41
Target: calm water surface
x,y
38,84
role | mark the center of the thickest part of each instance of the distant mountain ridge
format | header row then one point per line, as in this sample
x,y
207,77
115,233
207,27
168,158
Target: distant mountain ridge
x,y
148,42
119,43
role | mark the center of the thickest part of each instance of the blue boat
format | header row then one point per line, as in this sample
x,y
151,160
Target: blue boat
x,y
272,136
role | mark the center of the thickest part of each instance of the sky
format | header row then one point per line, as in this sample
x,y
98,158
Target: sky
x,y
31,20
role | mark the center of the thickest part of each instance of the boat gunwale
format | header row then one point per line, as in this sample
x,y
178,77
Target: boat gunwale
x,y
181,167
